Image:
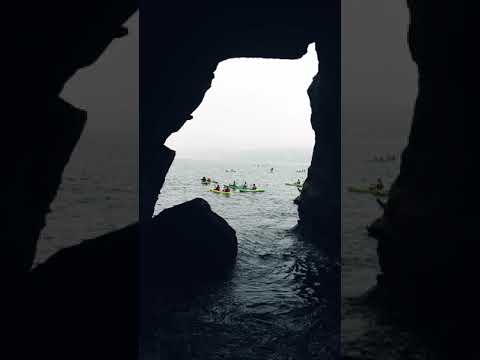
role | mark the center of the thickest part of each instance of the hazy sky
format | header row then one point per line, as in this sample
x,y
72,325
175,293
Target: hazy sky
x,y
378,74
253,103
108,90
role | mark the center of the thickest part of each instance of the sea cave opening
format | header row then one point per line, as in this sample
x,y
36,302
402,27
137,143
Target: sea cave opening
x,y
253,127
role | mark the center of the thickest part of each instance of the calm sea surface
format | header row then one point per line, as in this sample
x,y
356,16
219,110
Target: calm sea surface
x,y
275,305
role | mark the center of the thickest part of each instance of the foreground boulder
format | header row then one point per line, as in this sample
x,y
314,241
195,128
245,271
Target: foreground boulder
x,y
187,241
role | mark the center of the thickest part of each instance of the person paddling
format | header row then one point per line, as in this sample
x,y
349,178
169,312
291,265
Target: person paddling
x,y
380,185
217,188
254,187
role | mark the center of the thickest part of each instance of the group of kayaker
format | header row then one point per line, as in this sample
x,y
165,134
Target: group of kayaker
x,y
225,188
229,188
244,186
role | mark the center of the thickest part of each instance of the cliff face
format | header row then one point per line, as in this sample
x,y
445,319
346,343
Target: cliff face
x,y
48,44
426,250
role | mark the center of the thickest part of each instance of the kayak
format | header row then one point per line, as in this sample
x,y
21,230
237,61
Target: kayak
x,y
250,190
294,184
220,192
366,190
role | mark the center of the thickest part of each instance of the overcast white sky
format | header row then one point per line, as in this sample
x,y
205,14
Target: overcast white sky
x,y
252,104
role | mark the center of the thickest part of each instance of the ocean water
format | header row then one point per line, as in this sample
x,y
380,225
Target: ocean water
x,y
276,304
98,194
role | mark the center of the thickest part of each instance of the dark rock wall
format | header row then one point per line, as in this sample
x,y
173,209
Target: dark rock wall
x,y
426,239
47,45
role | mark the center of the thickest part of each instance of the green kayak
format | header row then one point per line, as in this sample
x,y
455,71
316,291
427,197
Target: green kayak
x,y
250,190
231,186
367,190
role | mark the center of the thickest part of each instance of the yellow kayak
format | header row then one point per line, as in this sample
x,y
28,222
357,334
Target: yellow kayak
x,y
220,192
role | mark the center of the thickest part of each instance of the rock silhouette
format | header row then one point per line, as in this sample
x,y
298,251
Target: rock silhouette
x,y
425,248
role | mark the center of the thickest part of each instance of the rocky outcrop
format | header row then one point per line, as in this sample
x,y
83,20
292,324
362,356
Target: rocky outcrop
x,y
37,173
195,243
50,43
426,240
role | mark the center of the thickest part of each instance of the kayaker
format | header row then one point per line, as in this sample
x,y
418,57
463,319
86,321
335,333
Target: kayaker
x,y
380,185
254,187
234,183
226,188
245,185
217,188
299,182
204,179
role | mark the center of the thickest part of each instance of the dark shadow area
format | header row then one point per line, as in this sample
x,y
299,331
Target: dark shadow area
x,y
422,306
